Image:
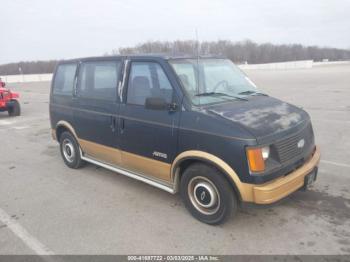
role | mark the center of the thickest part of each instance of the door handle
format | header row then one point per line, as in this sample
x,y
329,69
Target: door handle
x,y
113,122
122,123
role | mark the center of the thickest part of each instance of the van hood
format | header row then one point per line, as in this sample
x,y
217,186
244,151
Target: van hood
x,y
262,116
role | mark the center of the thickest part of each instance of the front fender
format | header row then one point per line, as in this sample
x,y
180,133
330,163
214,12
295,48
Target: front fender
x,y
14,96
244,190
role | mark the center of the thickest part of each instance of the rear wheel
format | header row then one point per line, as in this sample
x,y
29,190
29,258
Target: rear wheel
x,y
15,109
207,194
70,150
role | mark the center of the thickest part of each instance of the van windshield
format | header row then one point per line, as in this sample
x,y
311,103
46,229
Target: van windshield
x,y
212,80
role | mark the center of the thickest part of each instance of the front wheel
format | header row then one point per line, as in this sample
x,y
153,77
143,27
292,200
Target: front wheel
x,y
15,109
207,194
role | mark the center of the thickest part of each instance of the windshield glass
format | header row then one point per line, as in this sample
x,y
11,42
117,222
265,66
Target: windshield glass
x,y
209,81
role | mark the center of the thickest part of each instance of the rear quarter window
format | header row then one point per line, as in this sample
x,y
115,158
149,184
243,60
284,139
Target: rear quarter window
x,y
64,79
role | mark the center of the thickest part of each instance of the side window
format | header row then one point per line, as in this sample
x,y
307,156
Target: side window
x,y
64,79
99,80
147,79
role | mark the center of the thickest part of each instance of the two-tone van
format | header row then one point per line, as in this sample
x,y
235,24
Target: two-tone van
x,y
194,125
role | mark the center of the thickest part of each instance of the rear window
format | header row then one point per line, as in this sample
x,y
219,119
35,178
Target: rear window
x,y
99,80
64,79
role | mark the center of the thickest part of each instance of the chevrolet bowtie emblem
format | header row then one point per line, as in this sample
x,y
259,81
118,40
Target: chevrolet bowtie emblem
x,y
301,143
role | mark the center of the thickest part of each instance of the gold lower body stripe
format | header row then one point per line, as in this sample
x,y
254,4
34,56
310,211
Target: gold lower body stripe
x,y
135,163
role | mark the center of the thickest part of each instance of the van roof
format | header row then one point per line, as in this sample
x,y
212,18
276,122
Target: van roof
x,y
164,56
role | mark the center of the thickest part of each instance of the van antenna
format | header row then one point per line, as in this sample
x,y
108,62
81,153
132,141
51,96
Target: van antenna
x,y
197,56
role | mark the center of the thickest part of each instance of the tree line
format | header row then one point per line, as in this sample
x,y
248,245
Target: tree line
x,y
32,67
240,52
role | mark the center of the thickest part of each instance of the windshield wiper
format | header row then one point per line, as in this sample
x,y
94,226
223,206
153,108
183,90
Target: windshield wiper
x,y
251,92
220,94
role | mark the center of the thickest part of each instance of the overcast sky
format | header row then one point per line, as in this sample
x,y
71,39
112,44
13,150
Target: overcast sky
x,y
50,29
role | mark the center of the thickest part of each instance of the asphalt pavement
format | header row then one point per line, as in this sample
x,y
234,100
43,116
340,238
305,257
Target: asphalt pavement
x,y
48,208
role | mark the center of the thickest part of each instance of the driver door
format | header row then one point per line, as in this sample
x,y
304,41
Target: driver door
x,y
148,136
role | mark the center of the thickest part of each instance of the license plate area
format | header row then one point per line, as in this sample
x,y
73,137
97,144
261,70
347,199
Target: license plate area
x,y
310,179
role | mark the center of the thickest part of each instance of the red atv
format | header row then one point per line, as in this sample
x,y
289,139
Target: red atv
x,y
9,101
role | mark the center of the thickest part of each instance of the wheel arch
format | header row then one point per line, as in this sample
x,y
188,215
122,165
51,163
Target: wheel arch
x,y
62,126
183,160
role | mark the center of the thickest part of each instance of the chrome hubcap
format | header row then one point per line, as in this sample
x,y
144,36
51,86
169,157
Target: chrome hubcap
x,y
204,195
68,150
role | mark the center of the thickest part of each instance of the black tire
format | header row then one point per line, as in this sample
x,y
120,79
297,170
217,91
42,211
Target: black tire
x,y
199,178
70,150
15,109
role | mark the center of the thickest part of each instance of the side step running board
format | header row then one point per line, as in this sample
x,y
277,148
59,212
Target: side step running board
x,y
129,174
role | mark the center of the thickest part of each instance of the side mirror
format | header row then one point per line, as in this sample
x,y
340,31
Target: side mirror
x,y
159,103
3,84
156,103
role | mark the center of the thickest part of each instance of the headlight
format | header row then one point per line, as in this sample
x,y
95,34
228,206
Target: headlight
x,y
265,151
256,158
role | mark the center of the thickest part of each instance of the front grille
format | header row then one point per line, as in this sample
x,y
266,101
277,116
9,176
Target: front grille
x,y
287,148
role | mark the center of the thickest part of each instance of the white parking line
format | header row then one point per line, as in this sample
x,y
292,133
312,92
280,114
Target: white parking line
x,y
23,234
335,163
6,122
20,127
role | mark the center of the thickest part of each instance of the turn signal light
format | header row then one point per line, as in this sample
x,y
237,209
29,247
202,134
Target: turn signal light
x,y
255,159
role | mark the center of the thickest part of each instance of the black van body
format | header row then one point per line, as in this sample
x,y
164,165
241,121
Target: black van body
x,y
157,135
